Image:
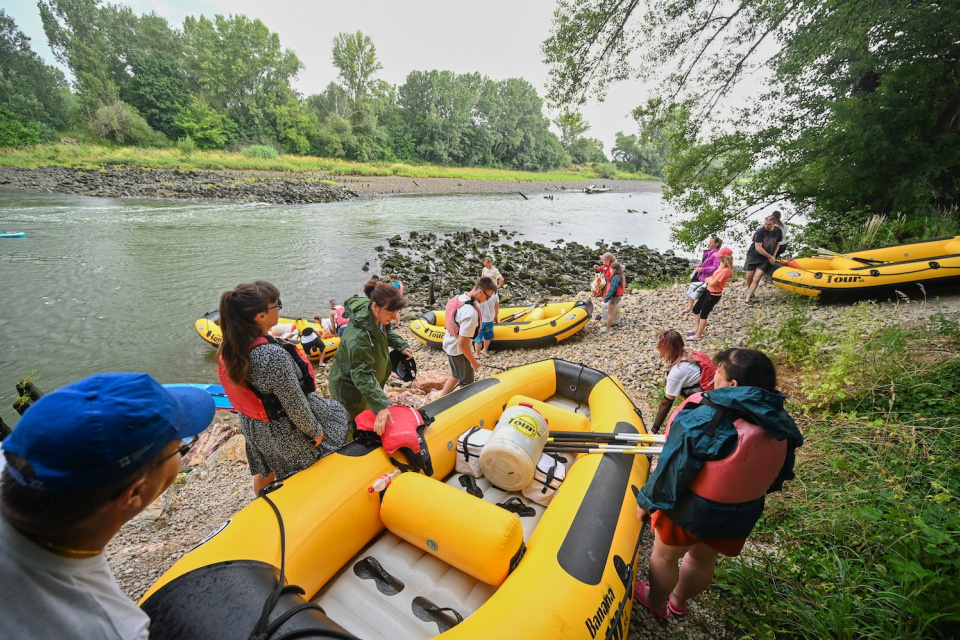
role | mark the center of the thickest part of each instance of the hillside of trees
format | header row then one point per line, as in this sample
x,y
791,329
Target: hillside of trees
x,y
225,83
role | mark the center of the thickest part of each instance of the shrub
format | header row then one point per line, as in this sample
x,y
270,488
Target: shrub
x,y
605,169
259,151
14,133
124,124
186,145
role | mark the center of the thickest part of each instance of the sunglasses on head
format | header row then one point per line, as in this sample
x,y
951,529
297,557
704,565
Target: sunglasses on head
x,y
279,305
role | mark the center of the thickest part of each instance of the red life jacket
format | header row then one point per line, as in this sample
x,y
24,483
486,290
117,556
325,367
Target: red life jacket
x,y
748,472
620,287
707,371
339,317
266,407
453,305
400,433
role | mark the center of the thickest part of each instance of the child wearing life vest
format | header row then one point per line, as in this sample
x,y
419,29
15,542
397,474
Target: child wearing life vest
x,y
615,288
709,298
462,324
725,450
687,374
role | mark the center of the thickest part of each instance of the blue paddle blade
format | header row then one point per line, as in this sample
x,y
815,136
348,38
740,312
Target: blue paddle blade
x,y
216,391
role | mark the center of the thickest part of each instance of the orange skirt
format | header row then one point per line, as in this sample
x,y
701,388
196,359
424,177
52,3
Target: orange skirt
x,y
676,536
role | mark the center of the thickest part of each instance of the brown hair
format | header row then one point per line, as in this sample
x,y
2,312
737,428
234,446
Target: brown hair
x,y
486,284
387,296
726,261
749,367
616,269
671,347
238,308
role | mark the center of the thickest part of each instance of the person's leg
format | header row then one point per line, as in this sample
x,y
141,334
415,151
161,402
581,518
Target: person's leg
x,y
486,346
478,345
448,385
611,313
259,482
749,281
696,574
664,572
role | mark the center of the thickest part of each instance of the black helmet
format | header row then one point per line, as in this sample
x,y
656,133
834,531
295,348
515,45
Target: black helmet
x,y
405,368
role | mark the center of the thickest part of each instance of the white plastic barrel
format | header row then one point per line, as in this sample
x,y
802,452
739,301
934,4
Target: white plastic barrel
x,y
509,459
603,314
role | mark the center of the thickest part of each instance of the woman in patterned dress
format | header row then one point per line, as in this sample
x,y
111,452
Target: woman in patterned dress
x,y
297,427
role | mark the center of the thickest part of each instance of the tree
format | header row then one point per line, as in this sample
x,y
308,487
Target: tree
x,y
33,93
355,56
239,68
572,125
586,150
158,90
860,115
439,107
208,128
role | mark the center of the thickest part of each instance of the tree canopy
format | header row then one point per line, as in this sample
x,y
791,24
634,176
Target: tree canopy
x,y
860,116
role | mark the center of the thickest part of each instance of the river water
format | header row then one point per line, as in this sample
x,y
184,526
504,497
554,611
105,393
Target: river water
x,y
105,284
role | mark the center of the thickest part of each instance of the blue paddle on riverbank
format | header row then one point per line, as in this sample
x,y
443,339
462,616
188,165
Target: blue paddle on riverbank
x,y
220,399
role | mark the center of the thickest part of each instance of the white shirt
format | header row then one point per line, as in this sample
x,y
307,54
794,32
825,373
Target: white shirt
x,y
488,308
468,320
493,273
682,375
49,596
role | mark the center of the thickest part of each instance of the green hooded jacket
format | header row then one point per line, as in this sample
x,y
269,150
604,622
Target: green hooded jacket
x,y
362,364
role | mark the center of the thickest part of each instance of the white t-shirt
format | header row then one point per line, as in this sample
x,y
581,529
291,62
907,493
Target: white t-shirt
x,y
493,273
468,320
682,375
488,308
49,596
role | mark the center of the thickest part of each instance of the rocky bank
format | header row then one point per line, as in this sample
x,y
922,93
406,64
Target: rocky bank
x,y
220,485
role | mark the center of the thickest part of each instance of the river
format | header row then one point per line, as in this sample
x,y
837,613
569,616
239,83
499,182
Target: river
x,y
115,284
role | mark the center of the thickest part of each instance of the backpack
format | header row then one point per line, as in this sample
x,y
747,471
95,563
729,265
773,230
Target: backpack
x,y
599,284
707,371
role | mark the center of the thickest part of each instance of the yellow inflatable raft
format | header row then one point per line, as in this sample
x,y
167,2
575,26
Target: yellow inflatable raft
x,y
873,271
530,326
428,557
208,327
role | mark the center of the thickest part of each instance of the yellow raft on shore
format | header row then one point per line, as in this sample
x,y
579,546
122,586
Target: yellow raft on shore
x,y
873,272
208,327
529,326
428,557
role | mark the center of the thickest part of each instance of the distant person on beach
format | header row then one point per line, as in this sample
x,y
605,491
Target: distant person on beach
x,y
778,220
83,461
362,364
684,377
395,281
708,264
711,296
606,260
761,255
725,450
489,312
286,425
615,289
490,271
337,322
462,326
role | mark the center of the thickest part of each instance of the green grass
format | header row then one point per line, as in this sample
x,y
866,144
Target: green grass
x,y
865,543
89,156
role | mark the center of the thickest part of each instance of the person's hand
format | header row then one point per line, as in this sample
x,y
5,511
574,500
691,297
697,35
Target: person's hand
x,y
407,352
380,425
318,440
697,269
475,364
771,259
641,513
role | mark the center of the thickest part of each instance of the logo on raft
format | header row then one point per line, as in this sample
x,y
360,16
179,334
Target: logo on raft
x,y
851,278
793,274
526,426
596,622
571,316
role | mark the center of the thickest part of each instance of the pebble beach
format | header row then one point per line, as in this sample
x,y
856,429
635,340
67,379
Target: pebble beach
x,y
220,485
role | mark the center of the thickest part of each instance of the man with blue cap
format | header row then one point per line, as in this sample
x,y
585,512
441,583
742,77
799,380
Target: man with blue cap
x,y
82,462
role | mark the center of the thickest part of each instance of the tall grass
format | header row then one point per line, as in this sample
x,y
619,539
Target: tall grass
x,y
94,156
864,543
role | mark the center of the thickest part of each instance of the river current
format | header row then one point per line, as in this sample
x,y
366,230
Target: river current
x,y
115,284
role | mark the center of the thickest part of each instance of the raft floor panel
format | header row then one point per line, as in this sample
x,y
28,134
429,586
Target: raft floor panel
x,y
367,598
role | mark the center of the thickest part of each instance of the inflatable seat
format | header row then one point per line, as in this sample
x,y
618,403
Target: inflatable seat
x,y
558,418
475,536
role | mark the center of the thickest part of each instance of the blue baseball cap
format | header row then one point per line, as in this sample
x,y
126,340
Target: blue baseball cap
x,y
102,429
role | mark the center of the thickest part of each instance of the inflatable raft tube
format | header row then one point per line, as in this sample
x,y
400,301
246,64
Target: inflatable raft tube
x,y
909,268
517,327
208,328
378,569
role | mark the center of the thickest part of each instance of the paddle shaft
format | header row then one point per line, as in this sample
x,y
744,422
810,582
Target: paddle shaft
x,y
584,449
843,255
589,436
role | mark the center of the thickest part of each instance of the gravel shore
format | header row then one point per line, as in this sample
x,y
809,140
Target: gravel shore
x,y
149,545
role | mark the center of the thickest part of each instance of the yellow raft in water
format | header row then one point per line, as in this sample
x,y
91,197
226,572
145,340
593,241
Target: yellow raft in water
x,y
208,327
531,326
874,272
428,557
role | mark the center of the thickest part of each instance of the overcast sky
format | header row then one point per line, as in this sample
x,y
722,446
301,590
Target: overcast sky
x,y
498,38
